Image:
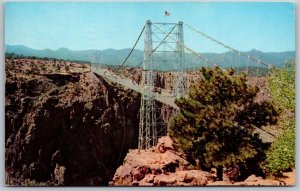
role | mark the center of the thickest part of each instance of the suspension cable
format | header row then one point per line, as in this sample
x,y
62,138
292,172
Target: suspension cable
x,y
132,48
228,47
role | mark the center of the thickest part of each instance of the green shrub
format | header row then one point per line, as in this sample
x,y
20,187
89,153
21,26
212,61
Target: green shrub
x,y
281,156
282,85
216,121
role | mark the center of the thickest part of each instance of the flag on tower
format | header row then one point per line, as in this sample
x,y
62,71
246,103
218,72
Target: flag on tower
x,y
167,13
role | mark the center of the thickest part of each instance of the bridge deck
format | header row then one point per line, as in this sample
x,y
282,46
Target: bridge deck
x,y
165,98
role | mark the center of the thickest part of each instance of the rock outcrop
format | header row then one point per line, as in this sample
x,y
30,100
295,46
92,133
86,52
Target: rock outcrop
x,y
158,166
65,125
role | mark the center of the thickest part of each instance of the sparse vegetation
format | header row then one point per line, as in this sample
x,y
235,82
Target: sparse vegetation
x,y
216,121
13,56
281,156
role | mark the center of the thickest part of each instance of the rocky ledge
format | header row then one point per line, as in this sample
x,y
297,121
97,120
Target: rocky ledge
x,y
163,166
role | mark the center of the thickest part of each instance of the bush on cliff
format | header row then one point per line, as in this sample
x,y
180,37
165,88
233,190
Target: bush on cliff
x,y
216,121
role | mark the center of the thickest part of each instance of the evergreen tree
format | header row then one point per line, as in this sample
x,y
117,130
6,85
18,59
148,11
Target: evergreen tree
x,y
216,120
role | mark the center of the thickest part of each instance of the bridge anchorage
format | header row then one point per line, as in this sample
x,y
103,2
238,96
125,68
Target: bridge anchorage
x,y
167,38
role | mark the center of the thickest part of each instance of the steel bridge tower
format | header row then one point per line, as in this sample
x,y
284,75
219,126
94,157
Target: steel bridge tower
x,y
97,62
169,49
147,126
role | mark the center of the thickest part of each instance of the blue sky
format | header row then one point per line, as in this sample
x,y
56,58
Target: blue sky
x,y
269,27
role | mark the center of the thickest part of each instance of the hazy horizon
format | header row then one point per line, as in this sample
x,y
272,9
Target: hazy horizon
x,y
253,49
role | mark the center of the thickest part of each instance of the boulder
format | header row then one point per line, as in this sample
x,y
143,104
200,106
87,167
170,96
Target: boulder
x,y
164,144
258,181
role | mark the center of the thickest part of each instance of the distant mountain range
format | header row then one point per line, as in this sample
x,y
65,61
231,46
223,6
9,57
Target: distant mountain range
x,y
116,57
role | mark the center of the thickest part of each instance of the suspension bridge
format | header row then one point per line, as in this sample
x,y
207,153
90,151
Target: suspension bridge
x,y
164,45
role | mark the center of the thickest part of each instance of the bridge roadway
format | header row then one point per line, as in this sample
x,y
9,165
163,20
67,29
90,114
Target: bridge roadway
x,y
164,97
